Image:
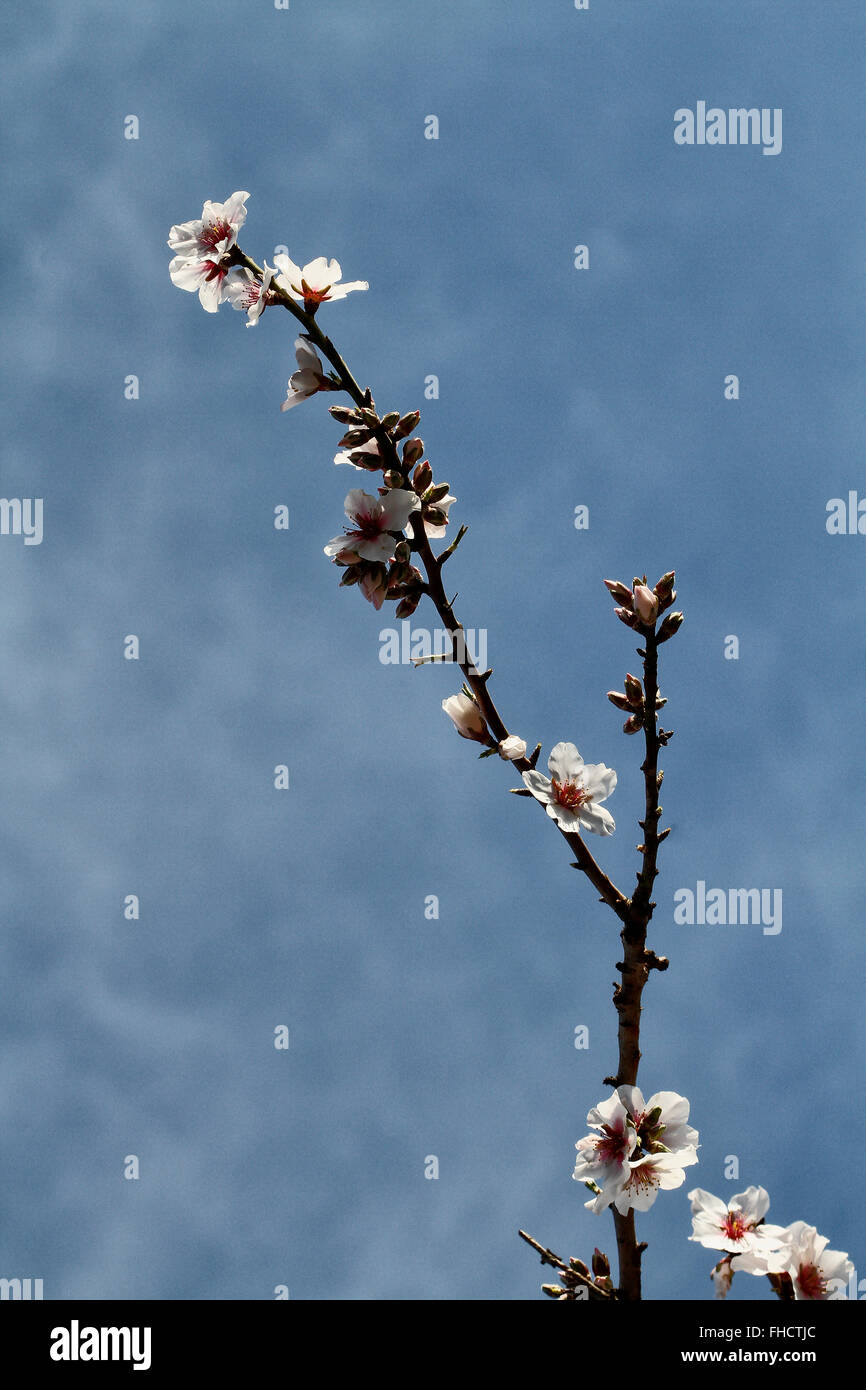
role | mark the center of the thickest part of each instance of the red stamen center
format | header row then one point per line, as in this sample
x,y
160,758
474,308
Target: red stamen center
x,y
570,795
312,297
735,1225
810,1282
215,232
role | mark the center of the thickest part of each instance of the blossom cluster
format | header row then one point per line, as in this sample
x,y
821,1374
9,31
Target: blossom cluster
x,y
639,1148
373,551
795,1257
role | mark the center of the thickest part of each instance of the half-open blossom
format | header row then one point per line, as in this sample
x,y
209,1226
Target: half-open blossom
x,y
245,292
371,448
436,530
573,792
309,378
466,717
816,1273
602,1158
373,518
315,282
735,1226
512,747
202,246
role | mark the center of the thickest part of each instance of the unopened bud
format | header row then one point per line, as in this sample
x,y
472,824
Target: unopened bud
x,y
352,576
633,725
620,593
413,450
393,478
390,420
634,691
407,424
435,494
369,417
343,414
435,516
402,552
600,1264
512,747
671,624
646,604
664,588
620,699
398,574
372,462
352,438
422,478
579,1267
626,616
406,607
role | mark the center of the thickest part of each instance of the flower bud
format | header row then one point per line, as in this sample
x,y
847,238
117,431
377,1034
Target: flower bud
x,y
370,418
352,576
671,624
402,552
466,717
620,593
664,589
406,607
372,462
634,691
413,450
392,478
511,748
422,478
621,700
390,420
633,725
407,424
352,438
646,605
343,414
579,1267
435,494
435,516
626,616
600,1264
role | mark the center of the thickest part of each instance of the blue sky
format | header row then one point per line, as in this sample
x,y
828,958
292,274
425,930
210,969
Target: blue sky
x,y
557,388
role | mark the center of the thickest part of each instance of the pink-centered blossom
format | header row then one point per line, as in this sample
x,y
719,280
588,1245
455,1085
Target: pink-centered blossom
x,y
373,519
602,1158
574,791
315,282
245,292
736,1226
817,1274
202,246
647,1145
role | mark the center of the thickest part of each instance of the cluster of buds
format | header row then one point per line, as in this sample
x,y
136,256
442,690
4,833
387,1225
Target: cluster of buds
x,y
631,701
641,606
577,1282
382,568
